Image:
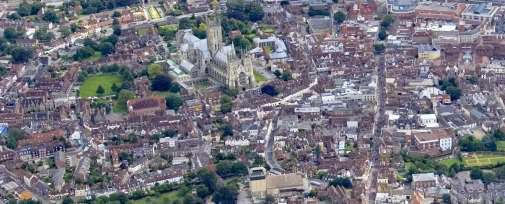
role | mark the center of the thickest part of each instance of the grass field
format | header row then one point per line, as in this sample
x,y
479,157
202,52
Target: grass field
x,y
88,88
478,160
500,146
97,56
448,162
259,77
170,197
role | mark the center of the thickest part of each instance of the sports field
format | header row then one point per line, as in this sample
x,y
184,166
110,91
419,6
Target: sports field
x,y
479,160
88,88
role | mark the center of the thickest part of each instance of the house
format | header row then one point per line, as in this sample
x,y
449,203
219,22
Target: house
x,y
146,106
279,186
423,181
434,139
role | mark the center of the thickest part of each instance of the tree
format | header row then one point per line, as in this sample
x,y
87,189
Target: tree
x,y
269,90
226,104
161,83
318,12
116,29
207,178
100,90
468,143
226,129
43,35
202,191
476,173
114,88
65,31
277,73
379,48
3,71
116,14
229,168
26,9
154,70
446,198
123,97
173,101
286,75
339,17
83,53
13,135
387,21
225,195
454,92
51,16
106,48
382,35
342,181
242,43
21,54
11,34
67,200
242,10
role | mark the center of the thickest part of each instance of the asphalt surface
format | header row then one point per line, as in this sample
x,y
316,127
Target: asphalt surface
x,y
377,129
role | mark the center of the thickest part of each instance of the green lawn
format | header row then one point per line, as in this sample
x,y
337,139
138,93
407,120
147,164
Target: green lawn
x,y
259,77
500,146
97,56
448,162
88,88
170,197
480,160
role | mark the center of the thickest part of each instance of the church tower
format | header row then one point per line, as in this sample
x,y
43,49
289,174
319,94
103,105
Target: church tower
x,y
214,31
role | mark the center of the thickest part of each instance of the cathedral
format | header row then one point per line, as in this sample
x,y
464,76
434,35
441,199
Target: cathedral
x,y
211,58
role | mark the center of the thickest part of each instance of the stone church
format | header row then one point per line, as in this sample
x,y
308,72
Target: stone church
x,y
211,58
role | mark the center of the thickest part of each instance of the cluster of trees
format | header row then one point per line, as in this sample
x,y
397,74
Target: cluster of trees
x,y
162,82
8,46
451,87
167,32
51,16
106,46
318,12
27,9
285,75
339,17
342,181
3,71
204,182
197,25
43,35
387,21
226,104
95,6
13,136
486,177
424,164
269,90
245,10
468,143
230,168
379,48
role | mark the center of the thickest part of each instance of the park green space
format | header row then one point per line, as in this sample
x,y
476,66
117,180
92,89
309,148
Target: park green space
x,y
95,57
500,146
482,160
88,88
477,160
259,77
170,197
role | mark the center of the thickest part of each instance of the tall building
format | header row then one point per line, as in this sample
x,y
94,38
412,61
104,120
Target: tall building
x,y
211,58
